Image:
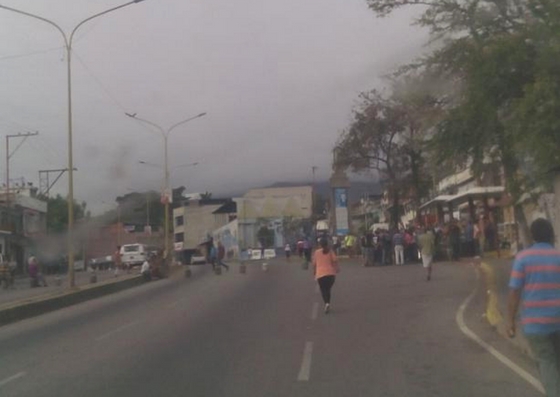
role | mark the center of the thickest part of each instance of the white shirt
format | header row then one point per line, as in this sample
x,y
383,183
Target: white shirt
x,y
145,267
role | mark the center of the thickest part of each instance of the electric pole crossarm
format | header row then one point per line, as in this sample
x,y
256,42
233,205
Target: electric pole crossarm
x,y
44,185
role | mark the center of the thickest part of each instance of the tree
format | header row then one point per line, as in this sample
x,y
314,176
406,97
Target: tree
x,y
265,236
495,52
57,213
387,135
292,228
536,116
206,196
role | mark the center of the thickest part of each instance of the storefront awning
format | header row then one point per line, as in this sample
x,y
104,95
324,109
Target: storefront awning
x,y
444,198
477,193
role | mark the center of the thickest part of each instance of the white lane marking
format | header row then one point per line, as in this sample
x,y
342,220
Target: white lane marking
x,y
315,311
305,369
499,356
99,338
12,378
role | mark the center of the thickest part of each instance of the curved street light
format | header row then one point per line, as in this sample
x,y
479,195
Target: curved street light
x,y
165,134
68,47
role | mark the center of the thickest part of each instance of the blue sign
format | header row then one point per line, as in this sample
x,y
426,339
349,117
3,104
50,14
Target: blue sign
x,y
341,211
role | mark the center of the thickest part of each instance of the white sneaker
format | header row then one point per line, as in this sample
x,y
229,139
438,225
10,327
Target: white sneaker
x,y
327,308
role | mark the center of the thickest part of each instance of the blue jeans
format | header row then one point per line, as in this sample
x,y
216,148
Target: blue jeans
x,y
546,349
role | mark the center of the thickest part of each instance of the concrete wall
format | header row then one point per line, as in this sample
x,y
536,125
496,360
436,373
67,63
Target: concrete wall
x,y
199,222
276,203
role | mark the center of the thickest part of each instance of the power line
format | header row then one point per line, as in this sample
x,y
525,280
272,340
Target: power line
x,y
106,90
28,54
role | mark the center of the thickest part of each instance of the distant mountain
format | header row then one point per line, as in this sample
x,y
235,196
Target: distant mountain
x,y
357,189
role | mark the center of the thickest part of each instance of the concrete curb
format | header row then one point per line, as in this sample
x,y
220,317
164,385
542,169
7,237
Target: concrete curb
x,y
44,304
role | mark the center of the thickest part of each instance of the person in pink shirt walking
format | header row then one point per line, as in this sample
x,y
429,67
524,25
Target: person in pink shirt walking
x,y
325,267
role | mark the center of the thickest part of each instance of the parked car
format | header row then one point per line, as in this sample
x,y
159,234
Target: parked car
x,y
198,258
134,254
102,263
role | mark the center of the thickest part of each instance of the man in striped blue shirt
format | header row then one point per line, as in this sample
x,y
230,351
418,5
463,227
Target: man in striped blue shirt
x,y
535,282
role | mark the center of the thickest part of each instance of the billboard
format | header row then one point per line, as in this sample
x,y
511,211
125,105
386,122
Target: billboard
x,y
341,210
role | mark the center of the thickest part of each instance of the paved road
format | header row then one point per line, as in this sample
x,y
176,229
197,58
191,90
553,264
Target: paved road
x,y
390,334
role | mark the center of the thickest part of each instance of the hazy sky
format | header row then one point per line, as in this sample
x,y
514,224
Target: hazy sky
x,y
278,80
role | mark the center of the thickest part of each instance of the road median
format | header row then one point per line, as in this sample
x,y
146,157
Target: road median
x,y
31,307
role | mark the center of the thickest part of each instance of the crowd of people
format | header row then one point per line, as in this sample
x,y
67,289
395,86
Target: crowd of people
x,y
453,240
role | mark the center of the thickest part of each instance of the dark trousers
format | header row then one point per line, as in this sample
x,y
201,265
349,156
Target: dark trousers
x,y
325,284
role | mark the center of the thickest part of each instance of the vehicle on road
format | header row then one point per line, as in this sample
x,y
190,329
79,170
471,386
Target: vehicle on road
x,y
102,263
134,254
198,258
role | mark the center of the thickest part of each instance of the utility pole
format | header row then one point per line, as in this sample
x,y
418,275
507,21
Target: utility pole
x,y
44,185
9,156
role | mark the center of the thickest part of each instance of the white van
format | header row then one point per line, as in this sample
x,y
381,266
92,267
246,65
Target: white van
x,y
133,254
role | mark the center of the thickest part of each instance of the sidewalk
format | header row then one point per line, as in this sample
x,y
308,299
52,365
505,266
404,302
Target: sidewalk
x,y
495,275
22,292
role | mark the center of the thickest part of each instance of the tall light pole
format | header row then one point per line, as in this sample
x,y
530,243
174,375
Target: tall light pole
x,y
68,47
166,196
159,166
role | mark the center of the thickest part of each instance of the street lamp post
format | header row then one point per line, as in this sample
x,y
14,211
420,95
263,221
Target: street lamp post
x,y
167,192
68,48
159,166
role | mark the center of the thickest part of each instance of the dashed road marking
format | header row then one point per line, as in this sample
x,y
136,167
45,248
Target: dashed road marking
x,y
4,382
499,356
305,369
315,311
122,328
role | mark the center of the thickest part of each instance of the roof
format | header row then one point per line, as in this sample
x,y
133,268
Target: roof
x,y
444,198
228,208
479,192
211,201
475,193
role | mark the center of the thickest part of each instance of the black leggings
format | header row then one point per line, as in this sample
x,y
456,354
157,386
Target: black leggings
x,y
325,284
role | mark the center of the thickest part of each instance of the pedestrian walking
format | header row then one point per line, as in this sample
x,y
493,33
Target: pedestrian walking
x,y
368,247
117,260
213,256
307,250
145,270
36,272
288,251
300,248
398,244
221,255
325,268
387,248
469,238
336,244
534,281
427,243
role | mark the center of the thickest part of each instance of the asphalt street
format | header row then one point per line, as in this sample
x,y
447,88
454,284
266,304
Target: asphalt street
x,y
390,333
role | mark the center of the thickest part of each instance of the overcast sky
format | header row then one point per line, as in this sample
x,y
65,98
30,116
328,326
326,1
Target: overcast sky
x,y
278,80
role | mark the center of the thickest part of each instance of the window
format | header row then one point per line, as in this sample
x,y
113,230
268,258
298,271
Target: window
x,y
180,220
179,237
131,248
